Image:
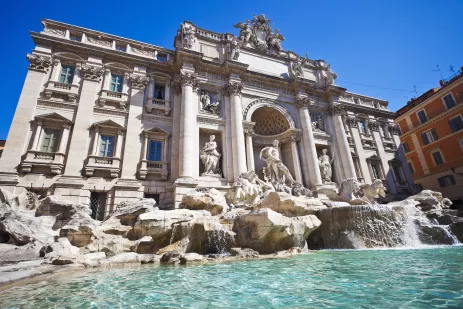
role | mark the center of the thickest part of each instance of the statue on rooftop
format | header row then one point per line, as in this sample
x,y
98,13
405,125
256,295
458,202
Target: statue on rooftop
x,y
188,35
245,32
233,48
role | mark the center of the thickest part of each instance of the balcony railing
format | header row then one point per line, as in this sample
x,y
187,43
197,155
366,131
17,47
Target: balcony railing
x,y
159,168
118,99
157,104
54,161
109,165
54,88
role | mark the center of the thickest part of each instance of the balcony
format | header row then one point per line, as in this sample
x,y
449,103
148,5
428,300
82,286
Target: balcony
x,y
119,99
109,165
157,104
157,168
51,161
68,91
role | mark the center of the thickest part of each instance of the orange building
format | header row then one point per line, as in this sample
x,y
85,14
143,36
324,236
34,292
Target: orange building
x,y
432,138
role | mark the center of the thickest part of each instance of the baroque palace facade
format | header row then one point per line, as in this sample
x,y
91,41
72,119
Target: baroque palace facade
x,y
102,119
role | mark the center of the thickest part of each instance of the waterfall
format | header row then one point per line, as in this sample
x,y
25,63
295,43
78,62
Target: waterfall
x,y
373,226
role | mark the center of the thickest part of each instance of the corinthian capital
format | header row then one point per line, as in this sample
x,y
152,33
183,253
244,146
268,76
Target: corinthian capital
x,y
234,88
190,79
303,102
91,73
335,109
138,81
37,62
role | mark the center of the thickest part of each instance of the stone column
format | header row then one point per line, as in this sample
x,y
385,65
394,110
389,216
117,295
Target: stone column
x,y
83,120
144,148
56,70
64,139
297,163
346,158
188,126
38,132
106,79
249,150
133,144
96,139
310,152
17,140
237,133
119,143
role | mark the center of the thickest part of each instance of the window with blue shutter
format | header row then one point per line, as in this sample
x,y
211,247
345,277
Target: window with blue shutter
x,y
116,83
406,147
446,180
154,151
50,140
67,74
106,145
449,101
429,136
438,158
456,123
422,116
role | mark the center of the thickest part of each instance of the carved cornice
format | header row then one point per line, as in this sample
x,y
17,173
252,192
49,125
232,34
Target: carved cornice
x,y
303,102
38,63
233,88
110,112
335,109
91,73
138,81
373,125
352,121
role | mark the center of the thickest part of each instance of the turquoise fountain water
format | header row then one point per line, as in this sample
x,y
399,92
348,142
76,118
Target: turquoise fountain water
x,y
391,278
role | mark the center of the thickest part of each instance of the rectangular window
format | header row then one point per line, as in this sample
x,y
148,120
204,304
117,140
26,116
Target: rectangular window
x,y
106,145
406,147
399,174
98,205
159,92
419,187
67,74
121,48
362,127
456,123
429,136
162,57
116,83
410,165
50,140
446,180
376,169
75,37
438,160
449,101
154,151
153,196
422,116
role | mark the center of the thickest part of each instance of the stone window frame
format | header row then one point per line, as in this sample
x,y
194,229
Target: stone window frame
x,y
363,118
376,160
155,134
457,116
453,181
426,114
445,104
431,152
397,163
116,68
151,103
69,59
50,121
109,128
358,168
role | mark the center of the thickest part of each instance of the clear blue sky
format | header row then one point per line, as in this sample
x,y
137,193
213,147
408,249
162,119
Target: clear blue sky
x,y
392,44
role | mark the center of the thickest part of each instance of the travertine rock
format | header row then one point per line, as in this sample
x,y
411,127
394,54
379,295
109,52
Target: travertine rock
x,y
210,200
208,235
128,212
267,231
188,258
291,206
244,252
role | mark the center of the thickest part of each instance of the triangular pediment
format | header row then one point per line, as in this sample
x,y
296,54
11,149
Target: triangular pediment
x,y
157,131
107,123
53,117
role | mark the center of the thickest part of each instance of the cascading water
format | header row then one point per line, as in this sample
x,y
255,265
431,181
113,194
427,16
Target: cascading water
x,y
372,226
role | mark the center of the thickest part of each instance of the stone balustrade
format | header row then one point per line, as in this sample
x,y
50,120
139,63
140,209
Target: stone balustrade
x,y
147,167
157,104
120,99
69,91
52,162
111,165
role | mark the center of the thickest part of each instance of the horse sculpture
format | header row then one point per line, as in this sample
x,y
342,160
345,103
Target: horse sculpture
x,y
348,190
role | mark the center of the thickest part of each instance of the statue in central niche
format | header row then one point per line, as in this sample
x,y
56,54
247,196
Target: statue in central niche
x,y
210,157
276,172
325,166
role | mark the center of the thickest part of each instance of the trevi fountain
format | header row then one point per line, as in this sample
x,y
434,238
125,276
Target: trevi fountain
x,y
265,240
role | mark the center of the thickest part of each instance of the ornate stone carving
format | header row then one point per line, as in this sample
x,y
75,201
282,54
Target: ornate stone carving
x,y
318,122
394,128
249,132
99,41
325,163
352,121
138,81
258,32
55,31
209,104
248,189
234,88
373,125
275,171
38,62
295,137
91,72
335,109
369,192
176,86
210,157
233,49
326,75
142,51
303,102
190,79
188,35
296,66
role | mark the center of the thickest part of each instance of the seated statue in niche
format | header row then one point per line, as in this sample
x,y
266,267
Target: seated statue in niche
x,y
275,171
207,104
210,157
325,162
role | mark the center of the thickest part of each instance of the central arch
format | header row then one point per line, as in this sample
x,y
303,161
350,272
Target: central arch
x,y
269,121
252,107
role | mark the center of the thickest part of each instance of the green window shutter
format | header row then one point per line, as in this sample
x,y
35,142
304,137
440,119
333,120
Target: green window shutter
x,y
67,74
50,140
